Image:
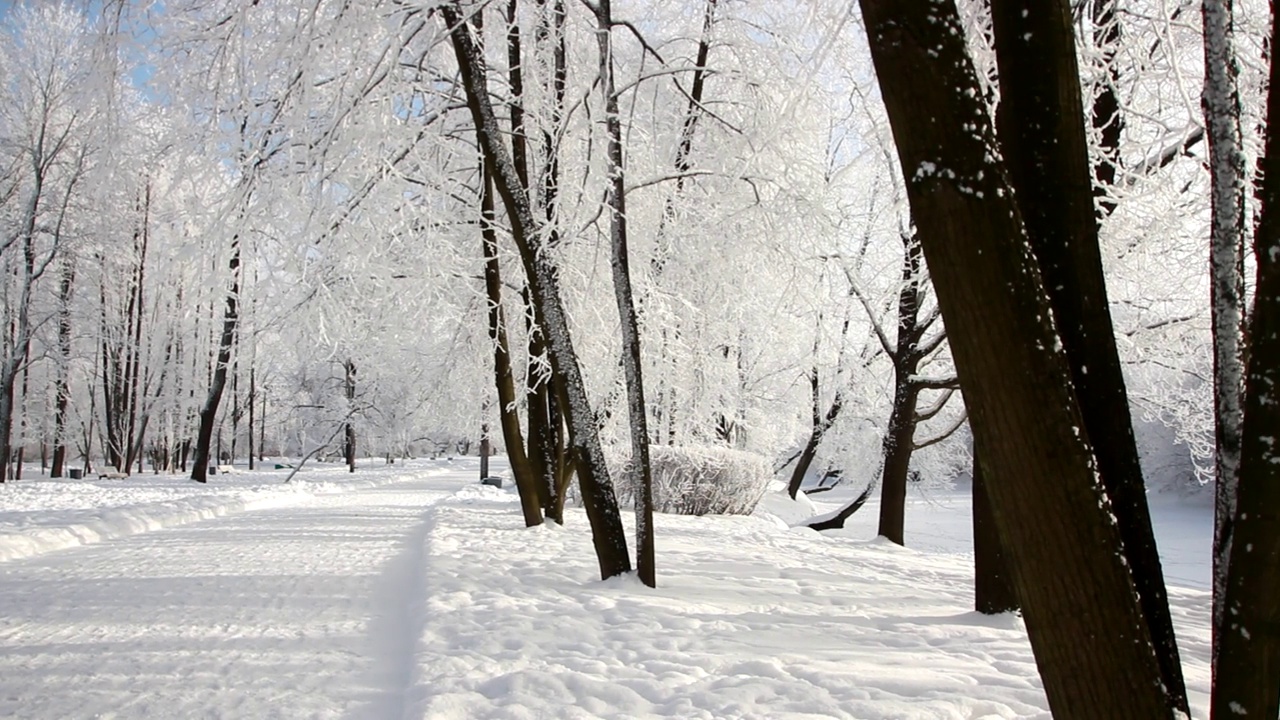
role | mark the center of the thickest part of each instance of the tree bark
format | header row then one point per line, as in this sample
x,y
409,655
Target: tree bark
x,y
900,434
209,411
1221,103
628,321
993,590
1042,135
508,413
1090,640
62,384
1247,666
349,444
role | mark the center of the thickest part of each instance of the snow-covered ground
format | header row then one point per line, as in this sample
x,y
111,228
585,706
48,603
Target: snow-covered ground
x,y
410,591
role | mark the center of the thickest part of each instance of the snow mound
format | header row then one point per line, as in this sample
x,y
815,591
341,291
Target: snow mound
x,y
777,505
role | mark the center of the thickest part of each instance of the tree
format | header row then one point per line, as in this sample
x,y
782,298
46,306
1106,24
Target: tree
x,y
1041,130
593,476
617,201
911,347
1246,667
1090,639
993,590
48,120
1222,111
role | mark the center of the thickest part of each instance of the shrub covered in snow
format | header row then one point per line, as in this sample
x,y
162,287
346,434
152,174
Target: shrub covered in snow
x,y
700,480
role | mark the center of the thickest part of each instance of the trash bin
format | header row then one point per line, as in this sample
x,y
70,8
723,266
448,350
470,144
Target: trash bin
x,y
75,473
494,481
213,469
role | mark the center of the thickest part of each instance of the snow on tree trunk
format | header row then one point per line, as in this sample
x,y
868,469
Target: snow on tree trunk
x,y
1246,677
636,408
1042,133
1082,614
608,534
226,342
1221,103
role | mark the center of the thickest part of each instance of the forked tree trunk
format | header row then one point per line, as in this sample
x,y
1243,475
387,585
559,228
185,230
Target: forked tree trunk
x,y
1042,135
899,437
1089,637
608,533
1247,667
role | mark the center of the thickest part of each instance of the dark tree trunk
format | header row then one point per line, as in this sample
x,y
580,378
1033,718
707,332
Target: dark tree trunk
x,y
821,423
62,385
253,399
527,477
608,533
209,411
900,434
629,323
1247,667
897,459
1221,101
547,452
508,413
1082,615
993,590
262,428
349,444
1042,134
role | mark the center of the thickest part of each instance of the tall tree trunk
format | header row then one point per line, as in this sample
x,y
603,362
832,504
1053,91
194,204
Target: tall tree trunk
x,y
1086,629
993,590
253,399
900,434
546,445
1247,667
897,452
630,324
262,428
209,411
62,383
133,436
608,534
1221,103
508,412
349,444
1042,135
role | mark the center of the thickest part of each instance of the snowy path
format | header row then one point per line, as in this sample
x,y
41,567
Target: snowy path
x,y
305,611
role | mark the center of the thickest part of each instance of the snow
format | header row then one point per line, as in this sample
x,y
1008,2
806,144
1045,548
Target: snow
x,y
411,591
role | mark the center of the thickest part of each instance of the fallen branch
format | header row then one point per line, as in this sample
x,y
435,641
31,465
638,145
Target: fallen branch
x,y
836,522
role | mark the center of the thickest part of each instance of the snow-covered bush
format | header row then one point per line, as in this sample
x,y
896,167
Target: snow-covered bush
x,y
700,480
